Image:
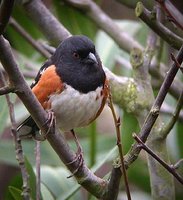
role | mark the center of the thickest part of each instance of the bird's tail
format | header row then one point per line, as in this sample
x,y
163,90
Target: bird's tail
x,y
27,128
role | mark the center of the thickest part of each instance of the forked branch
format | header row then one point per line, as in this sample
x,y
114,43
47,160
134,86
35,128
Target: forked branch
x,y
170,168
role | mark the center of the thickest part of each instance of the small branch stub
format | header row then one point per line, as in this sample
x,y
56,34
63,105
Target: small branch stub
x,y
136,57
139,9
155,111
6,90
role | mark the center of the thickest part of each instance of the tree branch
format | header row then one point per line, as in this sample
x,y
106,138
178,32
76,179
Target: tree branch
x,y
54,31
150,19
132,4
29,38
93,11
173,12
153,114
151,118
177,164
156,157
18,147
167,128
6,89
157,142
113,186
6,8
168,110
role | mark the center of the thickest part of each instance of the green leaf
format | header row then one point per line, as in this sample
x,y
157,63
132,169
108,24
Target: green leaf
x,y
74,20
46,193
15,192
16,182
48,155
55,179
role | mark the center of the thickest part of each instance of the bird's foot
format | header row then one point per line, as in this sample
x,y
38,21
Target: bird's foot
x,y
50,122
79,156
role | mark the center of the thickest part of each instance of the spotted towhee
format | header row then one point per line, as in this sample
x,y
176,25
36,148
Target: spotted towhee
x,y
72,84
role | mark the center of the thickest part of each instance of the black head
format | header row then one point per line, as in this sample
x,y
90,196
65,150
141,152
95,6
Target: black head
x,y
78,64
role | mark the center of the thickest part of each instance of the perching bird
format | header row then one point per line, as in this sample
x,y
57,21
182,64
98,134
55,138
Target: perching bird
x,y
72,84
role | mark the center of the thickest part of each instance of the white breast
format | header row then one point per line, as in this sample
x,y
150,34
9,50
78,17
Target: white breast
x,y
74,109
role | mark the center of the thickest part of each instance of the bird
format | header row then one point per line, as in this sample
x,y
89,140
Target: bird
x,y
72,85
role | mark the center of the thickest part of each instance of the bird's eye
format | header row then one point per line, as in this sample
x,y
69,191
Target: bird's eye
x,y
76,55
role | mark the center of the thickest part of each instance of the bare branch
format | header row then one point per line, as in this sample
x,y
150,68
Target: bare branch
x,y
18,146
168,110
153,114
150,19
6,89
173,12
29,38
106,23
151,118
164,164
113,186
6,8
49,48
166,130
54,31
177,164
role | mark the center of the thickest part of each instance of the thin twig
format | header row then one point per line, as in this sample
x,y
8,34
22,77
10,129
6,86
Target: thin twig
x,y
49,48
159,73
119,144
18,146
155,156
38,175
151,118
168,110
167,128
173,12
6,7
29,38
177,164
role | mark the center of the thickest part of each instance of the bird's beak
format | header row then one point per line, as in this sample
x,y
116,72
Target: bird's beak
x,y
92,57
